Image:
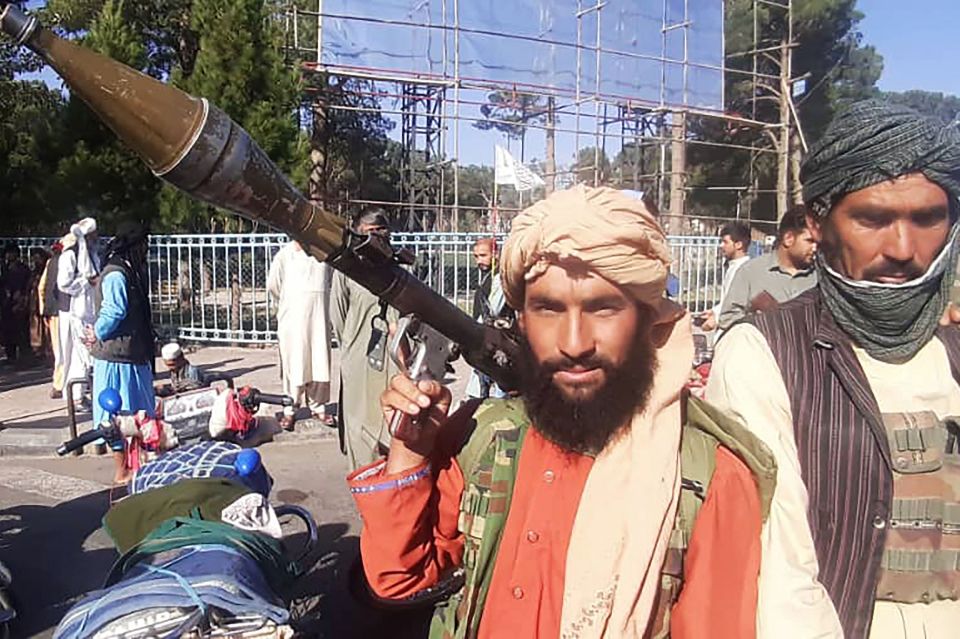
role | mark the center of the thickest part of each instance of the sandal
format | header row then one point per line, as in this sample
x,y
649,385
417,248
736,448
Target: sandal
x,y
325,419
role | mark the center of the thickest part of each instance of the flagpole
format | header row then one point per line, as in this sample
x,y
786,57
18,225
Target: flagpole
x,y
495,213
496,193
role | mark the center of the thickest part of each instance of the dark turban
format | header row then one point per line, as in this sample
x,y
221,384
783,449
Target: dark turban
x,y
129,234
373,217
874,141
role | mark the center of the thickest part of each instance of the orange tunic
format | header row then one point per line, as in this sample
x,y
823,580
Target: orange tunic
x,y
526,591
410,538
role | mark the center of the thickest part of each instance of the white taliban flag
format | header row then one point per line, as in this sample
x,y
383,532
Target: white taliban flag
x,y
508,171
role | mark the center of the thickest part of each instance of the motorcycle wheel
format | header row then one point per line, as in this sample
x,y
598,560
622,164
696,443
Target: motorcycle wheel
x,y
6,603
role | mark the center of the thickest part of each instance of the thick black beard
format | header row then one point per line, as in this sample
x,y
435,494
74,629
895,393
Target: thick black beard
x,y
586,426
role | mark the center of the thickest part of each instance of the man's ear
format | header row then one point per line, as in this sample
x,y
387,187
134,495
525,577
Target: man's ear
x,y
814,225
521,321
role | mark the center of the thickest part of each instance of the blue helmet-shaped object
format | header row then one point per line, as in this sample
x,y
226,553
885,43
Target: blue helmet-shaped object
x,y
247,462
110,400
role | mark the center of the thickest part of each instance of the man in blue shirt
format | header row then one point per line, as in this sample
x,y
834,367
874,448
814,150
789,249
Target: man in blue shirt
x,y
121,341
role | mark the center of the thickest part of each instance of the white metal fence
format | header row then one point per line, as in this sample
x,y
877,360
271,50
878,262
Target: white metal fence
x,y
212,288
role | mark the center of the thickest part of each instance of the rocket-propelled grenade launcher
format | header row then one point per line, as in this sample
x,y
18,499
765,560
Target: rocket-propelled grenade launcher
x,y
195,146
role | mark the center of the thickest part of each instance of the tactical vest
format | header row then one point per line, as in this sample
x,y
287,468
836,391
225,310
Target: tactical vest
x,y
489,461
921,556
844,450
132,342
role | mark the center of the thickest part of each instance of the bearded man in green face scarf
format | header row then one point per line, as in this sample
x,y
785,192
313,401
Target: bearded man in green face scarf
x,y
852,386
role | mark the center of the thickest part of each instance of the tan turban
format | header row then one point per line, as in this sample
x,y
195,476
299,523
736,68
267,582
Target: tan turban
x,y
608,232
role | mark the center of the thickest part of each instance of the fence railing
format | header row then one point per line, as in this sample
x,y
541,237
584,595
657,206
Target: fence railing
x,y
212,288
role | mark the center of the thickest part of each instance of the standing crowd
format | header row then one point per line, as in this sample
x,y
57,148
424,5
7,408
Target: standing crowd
x,y
85,308
814,491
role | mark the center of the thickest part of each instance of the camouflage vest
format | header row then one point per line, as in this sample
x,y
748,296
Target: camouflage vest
x,y
489,461
921,554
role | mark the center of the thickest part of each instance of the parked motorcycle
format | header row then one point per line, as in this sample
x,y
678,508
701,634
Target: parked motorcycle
x,y
208,413
203,553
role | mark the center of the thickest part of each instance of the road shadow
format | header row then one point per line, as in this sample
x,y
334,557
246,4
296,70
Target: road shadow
x,y
237,373
163,374
51,419
234,373
13,379
328,602
218,365
56,554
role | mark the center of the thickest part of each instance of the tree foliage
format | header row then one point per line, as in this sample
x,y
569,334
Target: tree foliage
x,y
511,112
836,67
635,166
353,156
945,108
592,166
162,26
29,143
238,67
98,174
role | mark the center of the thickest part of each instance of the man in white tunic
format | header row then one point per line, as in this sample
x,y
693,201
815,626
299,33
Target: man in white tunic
x,y
77,270
301,286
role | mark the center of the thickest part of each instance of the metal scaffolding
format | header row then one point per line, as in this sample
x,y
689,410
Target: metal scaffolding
x,y
421,173
617,91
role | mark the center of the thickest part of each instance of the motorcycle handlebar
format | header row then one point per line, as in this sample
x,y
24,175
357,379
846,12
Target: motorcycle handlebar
x,y
108,434
277,400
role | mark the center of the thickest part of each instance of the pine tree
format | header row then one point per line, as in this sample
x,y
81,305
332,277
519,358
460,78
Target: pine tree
x,y
239,68
30,115
100,176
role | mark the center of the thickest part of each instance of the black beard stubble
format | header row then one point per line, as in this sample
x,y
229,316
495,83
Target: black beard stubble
x,y
586,426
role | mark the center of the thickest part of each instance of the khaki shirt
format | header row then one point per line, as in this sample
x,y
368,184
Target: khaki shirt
x,y
756,276
746,380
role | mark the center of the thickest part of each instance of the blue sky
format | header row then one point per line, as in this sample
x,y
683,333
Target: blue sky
x,y
918,41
